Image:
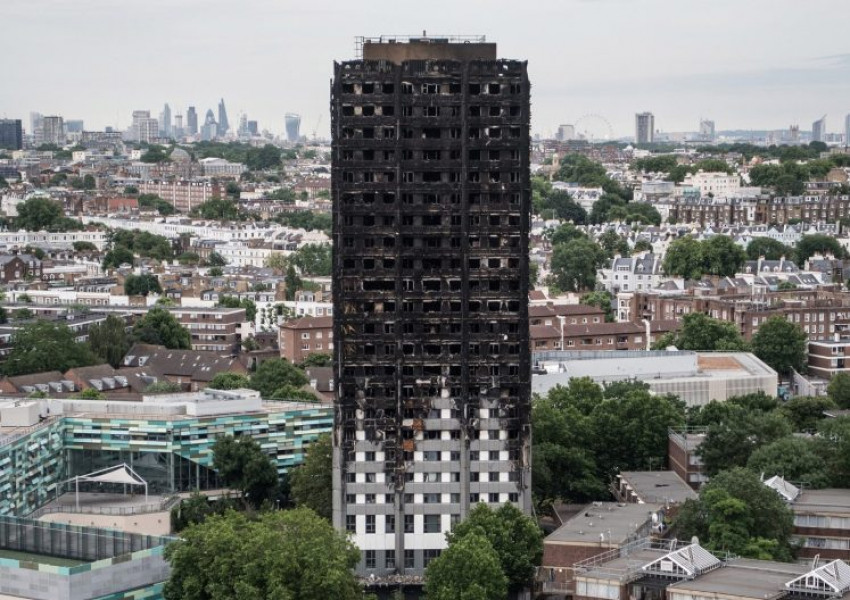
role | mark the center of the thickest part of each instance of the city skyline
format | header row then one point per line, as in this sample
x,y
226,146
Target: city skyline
x,y
687,73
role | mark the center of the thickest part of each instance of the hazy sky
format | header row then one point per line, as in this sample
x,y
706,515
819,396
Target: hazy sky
x,y
744,63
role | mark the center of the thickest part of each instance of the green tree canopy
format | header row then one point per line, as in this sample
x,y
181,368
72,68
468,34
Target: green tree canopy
x,y
601,299
818,243
794,458
703,333
242,465
731,441
467,570
317,359
222,209
275,373
684,258
574,265
737,513
806,412
46,346
118,256
781,344
768,248
516,538
722,257
233,302
229,381
839,389
142,285
280,555
313,259
160,327
310,483
38,214
109,340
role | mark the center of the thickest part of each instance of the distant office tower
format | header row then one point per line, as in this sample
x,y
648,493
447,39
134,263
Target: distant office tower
x,y
847,130
431,194
11,134
74,126
178,126
242,131
706,129
223,125
252,128
165,121
36,121
293,124
144,128
191,121
819,130
210,130
566,133
794,133
53,131
644,128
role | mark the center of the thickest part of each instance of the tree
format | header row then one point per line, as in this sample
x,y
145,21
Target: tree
x,y
233,302
818,243
89,394
292,281
310,483
37,214
313,259
131,190
730,442
574,265
229,381
46,346
600,299
163,387
84,247
781,344
89,182
839,389
215,272
259,159
216,208
684,259
109,340
613,243
768,248
279,555
737,513
565,233
116,257
216,260
141,285
794,458
806,412
154,154
643,246
275,373
467,570
516,538
158,326
703,333
721,256
242,465
317,359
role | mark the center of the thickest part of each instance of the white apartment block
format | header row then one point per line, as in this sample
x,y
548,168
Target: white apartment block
x,y
716,184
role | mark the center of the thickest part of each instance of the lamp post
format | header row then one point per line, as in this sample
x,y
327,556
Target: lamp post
x,y
562,318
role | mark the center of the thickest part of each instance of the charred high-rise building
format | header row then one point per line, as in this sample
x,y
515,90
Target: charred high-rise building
x,y
431,204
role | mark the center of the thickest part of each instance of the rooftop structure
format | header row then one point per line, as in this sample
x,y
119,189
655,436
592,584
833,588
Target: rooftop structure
x,y
696,377
654,487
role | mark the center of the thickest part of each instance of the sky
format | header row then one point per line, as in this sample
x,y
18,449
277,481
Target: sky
x,y
746,64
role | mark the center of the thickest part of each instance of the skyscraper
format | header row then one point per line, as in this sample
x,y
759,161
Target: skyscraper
x,y
644,128
144,128
293,124
431,195
165,122
178,126
566,133
819,129
53,131
847,130
223,125
706,129
252,128
192,121
210,130
11,134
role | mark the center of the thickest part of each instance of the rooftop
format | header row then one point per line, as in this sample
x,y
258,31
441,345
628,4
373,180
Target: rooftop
x,y
745,578
604,524
663,487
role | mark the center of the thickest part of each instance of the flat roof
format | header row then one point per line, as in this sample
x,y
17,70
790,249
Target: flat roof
x,y
658,486
622,567
831,500
615,522
745,578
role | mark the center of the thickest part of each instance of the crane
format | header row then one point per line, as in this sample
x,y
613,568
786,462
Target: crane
x,y
316,127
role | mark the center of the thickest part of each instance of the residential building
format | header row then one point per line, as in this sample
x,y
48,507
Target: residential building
x,y
665,488
302,337
714,184
631,273
17,267
819,130
193,370
431,195
144,128
11,134
293,125
597,336
644,128
182,194
682,456
219,167
827,358
696,378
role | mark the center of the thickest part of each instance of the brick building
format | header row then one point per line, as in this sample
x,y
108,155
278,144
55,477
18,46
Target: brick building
x,y
308,335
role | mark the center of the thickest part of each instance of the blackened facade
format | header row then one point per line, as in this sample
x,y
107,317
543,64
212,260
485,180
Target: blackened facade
x,y
431,196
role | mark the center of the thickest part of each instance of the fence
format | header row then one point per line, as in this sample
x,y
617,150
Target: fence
x,y
72,541
120,511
